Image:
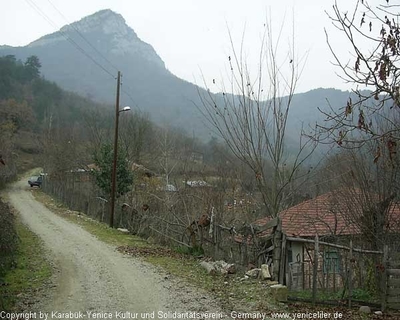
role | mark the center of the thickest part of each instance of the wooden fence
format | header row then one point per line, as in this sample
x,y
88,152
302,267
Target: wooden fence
x,y
391,282
324,272
78,191
321,270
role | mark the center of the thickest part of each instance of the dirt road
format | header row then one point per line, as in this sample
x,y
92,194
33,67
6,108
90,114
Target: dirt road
x,y
92,277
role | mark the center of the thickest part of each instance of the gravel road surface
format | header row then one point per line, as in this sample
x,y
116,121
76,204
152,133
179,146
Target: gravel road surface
x,y
91,277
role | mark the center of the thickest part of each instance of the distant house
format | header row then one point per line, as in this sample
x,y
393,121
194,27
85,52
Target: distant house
x,y
197,157
92,166
83,174
168,188
142,170
197,184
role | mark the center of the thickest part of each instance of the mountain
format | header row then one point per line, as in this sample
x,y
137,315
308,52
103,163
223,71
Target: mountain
x,y
67,59
107,39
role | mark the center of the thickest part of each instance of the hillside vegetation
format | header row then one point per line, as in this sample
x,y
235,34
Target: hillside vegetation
x,y
44,125
30,108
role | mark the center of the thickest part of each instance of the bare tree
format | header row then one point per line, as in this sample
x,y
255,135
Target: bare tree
x,y
365,193
167,150
372,112
98,125
252,117
135,133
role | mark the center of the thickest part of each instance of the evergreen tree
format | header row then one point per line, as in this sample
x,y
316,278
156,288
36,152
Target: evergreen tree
x,y
32,67
103,175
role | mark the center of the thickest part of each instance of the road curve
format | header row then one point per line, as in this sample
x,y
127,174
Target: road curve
x,y
92,276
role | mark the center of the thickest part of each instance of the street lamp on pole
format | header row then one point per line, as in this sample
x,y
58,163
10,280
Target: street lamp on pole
x,y
114,171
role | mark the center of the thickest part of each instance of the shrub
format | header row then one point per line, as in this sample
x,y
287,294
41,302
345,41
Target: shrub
x,y
196,251
8,239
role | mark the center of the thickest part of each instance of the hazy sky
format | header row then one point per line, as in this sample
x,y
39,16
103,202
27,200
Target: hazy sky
x,y
191,36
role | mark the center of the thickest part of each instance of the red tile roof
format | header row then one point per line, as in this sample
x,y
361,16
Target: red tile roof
x,y
324,215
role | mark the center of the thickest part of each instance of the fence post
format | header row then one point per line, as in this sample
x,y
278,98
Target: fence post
x,y
326,268
315,270
384,278
282,263
350,272
277,242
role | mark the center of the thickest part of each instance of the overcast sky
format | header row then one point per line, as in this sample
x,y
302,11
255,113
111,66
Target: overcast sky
x,y
191,36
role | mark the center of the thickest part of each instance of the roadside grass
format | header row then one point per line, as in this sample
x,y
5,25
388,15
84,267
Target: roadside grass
x,y
231,290
359,294
96,228
30,272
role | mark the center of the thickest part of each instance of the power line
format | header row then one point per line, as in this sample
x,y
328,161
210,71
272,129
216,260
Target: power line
x,y
119,30
129,95
77,46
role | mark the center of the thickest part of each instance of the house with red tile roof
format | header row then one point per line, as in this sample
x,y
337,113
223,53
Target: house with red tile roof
x,y
334,217
326,216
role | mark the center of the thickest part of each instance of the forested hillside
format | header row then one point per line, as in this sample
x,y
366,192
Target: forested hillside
x,y
44,126
30,107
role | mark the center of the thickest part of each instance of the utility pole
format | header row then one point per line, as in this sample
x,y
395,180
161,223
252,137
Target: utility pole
x,y
114,171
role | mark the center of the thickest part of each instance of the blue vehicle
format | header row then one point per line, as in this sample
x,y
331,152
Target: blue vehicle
x,y
35,181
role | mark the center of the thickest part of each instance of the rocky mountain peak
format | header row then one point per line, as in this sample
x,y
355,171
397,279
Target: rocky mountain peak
x,y
105,21
108,32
